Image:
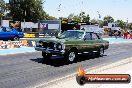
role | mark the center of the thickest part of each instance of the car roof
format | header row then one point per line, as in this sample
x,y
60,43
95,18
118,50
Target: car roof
x,y
76,30
4,27
80,31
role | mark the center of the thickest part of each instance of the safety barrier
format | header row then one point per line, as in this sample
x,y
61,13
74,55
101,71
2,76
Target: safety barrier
x,y
39,35
16,44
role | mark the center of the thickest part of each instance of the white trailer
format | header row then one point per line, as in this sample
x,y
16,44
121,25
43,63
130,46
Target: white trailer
x,y
92,28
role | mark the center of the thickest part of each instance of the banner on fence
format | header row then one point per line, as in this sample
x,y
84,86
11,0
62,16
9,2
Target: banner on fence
x,y
13,44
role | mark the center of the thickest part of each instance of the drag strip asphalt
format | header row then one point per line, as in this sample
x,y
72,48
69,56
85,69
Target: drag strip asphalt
x,y
27,70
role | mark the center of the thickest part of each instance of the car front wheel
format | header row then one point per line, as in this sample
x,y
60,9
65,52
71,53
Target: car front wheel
x,y
46,56
71,56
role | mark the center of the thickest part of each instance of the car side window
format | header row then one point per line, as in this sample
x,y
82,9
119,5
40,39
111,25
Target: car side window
x,y
3,29
8,30
87,36
94,36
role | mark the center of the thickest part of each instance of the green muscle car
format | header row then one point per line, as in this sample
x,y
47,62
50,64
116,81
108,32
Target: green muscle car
x,y
71,43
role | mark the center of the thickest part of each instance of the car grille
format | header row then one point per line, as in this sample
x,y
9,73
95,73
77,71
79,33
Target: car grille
x,y
50,45
44,44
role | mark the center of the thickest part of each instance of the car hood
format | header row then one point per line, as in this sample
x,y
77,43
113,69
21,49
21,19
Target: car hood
x,y
57,40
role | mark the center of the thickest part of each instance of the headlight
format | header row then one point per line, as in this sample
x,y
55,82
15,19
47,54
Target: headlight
x,y
59,46
63,46
37,44
55,46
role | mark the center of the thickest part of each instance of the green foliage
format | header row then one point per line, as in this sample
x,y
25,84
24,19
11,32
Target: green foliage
x,y
130,26
101,23
51,18
94,21
28,10
82,16
121,23
77,18
2,6
109,19
2,9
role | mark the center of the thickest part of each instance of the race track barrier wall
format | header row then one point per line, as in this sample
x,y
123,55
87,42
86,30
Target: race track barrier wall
x,y
16,44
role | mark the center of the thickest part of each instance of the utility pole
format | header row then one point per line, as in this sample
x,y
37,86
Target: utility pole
x,y
59,9
127,24
81,11
98,18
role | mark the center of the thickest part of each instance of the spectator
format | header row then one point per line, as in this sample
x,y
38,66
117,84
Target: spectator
x,y
130,37
126,34
119,33
116,34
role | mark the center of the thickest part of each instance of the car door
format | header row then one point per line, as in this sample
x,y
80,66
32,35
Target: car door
x,y
97,41
87,45
9,33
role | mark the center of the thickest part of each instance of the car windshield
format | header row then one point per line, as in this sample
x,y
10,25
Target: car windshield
x,y
72,34
1,29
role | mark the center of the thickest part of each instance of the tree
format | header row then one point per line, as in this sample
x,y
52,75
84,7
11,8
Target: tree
x,y
70,17
84,17
76,18
81,17
2,9
28,10
109,19
51,18
130,26
2,6
121,24
94,21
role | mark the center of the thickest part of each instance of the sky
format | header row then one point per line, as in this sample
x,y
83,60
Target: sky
x,y
118,9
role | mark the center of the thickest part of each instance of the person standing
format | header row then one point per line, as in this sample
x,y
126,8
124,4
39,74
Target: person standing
x,y
126,34
130,37
116,34
119,33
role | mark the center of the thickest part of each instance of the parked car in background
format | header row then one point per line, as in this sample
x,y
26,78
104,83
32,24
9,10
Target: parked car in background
x,y
71,43
8,33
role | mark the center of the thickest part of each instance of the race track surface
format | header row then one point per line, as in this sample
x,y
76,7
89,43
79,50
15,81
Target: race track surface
x,y
27,70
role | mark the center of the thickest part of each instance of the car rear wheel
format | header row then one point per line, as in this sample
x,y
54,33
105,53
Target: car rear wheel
x,y
16,38
100,52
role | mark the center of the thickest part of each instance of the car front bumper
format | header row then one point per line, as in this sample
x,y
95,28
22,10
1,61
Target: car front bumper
x,y
50,50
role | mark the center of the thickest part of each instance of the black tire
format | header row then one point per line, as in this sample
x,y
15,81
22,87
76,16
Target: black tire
x,y
16,38
100,52
46,57
80,80
71,56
